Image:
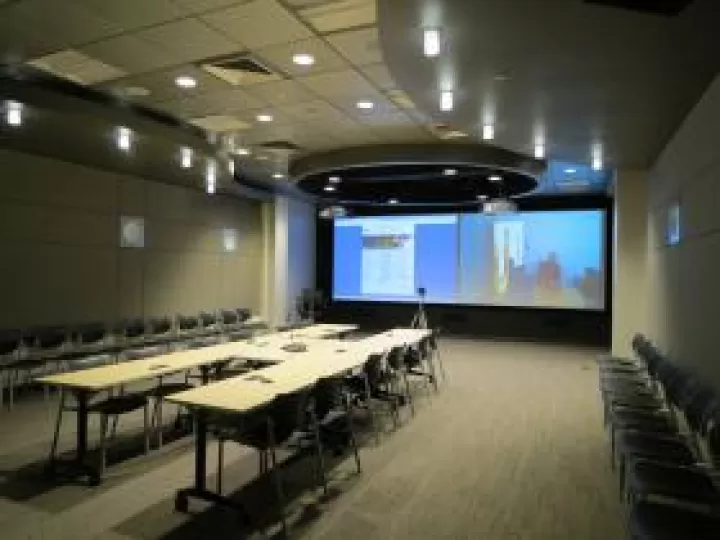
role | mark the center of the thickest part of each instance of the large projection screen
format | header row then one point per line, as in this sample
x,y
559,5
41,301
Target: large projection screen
x,y
528,259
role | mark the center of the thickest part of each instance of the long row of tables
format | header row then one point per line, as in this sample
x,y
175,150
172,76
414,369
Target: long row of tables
x,y
296,358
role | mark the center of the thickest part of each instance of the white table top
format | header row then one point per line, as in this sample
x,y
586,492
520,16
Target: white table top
x,y
268,348
294,370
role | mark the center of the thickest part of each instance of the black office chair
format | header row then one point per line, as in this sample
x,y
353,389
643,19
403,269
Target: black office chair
x,y
418,365
188,332
90,347
284,420
210,331
130,333
657,521
160,331
45,347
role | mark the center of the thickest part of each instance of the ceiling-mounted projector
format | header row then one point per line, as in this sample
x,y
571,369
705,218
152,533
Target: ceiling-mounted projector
x,y
330,212
499,206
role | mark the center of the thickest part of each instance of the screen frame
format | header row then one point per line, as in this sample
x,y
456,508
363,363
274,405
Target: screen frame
x,y
325,252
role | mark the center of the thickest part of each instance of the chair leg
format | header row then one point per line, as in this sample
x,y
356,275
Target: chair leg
x,y
221,461
408,393
58,422
440,364
351,433
11,388
319,452
146,427
368,400
103,445
277,479
159,419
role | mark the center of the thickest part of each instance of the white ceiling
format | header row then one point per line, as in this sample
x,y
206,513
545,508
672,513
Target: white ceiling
x,y
153,41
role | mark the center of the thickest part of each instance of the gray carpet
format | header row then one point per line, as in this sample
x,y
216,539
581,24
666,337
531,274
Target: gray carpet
x,y
512,448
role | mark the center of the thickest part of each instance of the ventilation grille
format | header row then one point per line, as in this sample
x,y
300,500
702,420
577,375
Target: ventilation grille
x,y
239,70
669,8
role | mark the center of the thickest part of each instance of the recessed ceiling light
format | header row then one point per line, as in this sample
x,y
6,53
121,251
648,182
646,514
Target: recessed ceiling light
x,y
501,78
482,197
264,117
597,158
185,81
570,171
329,188
278,176
495,178
450,172
124,138
303,59
539,151
334,179
447,101
365,105
242,152
431,42
13,113
488,132
393,201
186,157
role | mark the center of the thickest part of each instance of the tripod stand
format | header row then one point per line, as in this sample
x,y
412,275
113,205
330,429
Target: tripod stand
x,y
420,319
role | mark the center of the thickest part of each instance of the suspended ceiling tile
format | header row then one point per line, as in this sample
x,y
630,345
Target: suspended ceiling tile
x,y
189,40
359,47
128,52
258,24
348,83
132,14
379,75
314,111
338,15
201,6
281,57
77,67
281,92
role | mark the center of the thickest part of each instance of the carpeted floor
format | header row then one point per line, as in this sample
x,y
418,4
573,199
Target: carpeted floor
x,y
512,448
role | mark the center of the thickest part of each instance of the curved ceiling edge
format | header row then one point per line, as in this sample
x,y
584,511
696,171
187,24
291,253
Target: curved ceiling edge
x,y
446,154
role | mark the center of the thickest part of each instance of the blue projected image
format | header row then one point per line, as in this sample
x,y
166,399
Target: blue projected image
x,y
530,259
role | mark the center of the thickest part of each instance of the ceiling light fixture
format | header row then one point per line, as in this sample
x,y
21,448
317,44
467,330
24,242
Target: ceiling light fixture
x,y
329,188
482,197
242,152
14,113
186,157
211,177
366,105
185,81
539,151
231,167
393,201
334,179
447,101
450,172
431,42
303,59
495,178
488,132
278,176
124,138
264,117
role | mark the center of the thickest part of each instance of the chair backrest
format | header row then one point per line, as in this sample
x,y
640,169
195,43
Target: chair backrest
x,y
160,325
207,319
50,337
145,352
89,334
288,413
229,317
243,314
396,356
326,396
131,328
373,369
187,322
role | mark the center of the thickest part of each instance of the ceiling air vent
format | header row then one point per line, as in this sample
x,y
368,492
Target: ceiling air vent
x,y
669,8
239,70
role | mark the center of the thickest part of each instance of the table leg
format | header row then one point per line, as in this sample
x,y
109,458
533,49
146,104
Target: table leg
x,y
82,424
205,374
199,490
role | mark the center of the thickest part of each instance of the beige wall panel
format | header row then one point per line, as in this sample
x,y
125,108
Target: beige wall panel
x,y
130,283
132,196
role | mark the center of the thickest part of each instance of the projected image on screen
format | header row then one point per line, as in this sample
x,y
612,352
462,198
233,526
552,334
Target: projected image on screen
x,y
532,259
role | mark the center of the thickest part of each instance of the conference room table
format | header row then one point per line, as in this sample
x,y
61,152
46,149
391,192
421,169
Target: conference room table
x,y
292,370
88,382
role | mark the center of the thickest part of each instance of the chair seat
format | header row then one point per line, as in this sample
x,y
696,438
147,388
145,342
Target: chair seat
x,y
651,521
119,404
646,477
661,448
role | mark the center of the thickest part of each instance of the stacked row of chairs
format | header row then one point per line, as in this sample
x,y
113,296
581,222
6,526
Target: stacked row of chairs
x,y
38,351
664,428
319,418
